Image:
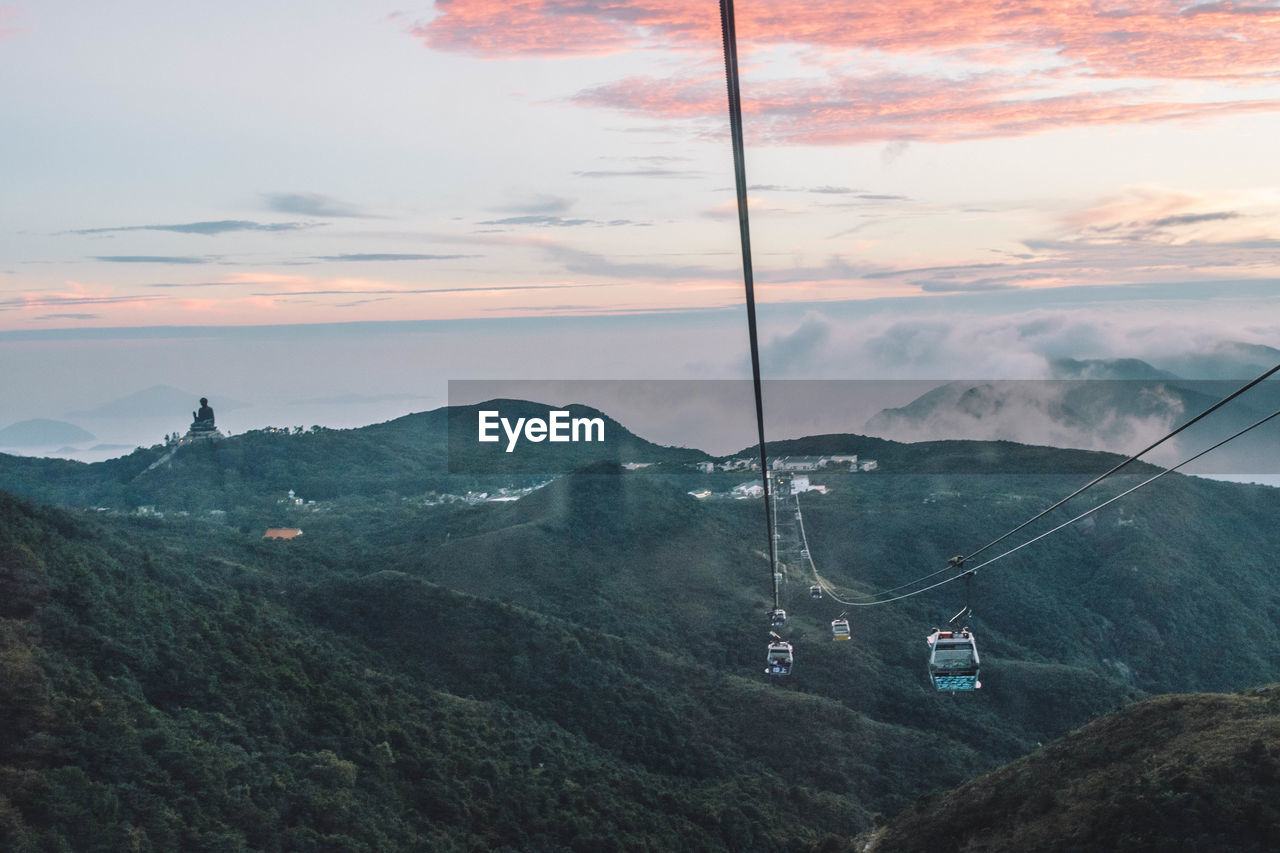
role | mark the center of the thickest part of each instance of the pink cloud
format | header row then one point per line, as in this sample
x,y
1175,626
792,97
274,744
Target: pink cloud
x,y
898,107
9,21
564,27
1011,68
1141,38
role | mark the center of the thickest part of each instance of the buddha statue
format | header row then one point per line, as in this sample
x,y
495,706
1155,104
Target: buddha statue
x,y
202,420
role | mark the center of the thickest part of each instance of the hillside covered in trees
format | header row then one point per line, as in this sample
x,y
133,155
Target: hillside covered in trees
x,y
580,668
1190,772
425,452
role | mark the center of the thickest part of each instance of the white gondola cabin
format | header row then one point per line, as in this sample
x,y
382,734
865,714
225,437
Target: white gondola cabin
x,y
953,660
777,617
815,592
779,659
840,629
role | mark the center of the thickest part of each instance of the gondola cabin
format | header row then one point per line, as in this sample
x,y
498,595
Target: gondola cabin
x,y
815,592
777,617
804,553
840,629
779,659
953,660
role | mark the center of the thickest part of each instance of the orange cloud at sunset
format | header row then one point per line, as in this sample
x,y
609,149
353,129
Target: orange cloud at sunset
x,y
265,298
76,295
1160,216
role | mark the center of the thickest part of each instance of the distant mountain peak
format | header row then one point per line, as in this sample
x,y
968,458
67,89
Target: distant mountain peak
x,y
157,401
42,432
1225,360
1106,368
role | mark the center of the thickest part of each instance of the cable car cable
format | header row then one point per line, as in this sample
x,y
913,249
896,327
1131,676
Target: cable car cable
x,y
730,37
1080,490
1134,457
825,585
968,571
1187,461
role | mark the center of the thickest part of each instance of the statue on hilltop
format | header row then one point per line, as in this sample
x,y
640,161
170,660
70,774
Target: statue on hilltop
x,y
202,427
202,421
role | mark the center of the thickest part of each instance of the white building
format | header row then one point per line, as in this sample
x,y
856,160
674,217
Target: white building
x,y
800,483
797,463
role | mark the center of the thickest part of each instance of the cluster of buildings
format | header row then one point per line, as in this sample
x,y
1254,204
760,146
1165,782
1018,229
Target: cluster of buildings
x,y
787,473
847,461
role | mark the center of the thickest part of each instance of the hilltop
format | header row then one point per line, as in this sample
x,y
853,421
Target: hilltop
x,y
1194,772
407,456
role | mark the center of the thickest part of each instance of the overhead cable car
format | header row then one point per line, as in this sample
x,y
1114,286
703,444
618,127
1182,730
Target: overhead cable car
x,y
777,617
953,660
840,628
780,657
815,591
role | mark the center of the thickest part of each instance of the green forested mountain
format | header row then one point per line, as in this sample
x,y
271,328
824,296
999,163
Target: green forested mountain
x,y
176,687
582,668
1192,772
432,451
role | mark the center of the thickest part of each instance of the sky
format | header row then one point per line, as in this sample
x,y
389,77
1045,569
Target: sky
x,y
288,202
